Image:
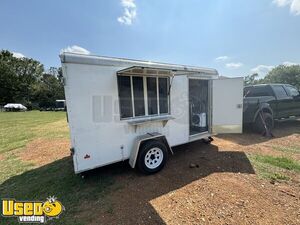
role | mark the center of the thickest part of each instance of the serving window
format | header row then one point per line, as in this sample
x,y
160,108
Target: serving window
x,y
143,96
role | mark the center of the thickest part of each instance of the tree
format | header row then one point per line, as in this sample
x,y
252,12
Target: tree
x,y
284,74
7,84
251,79
47,91
19,75
23,80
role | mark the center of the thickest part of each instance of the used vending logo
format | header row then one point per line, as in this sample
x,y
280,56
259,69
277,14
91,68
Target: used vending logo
x,y
32,211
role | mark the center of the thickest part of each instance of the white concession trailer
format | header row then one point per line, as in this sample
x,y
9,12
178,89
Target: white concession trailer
x,y
121,109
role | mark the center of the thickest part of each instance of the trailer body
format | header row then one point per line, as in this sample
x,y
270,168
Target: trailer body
x,y
115,103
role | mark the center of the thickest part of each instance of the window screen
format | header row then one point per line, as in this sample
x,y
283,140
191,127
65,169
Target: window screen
x,y
133,97
279,92
163,95
152,95
138,94
125,99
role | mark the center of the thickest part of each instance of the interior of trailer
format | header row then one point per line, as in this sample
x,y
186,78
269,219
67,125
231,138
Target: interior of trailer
x,y
198,106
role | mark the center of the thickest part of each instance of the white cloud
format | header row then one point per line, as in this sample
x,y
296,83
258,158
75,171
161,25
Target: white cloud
x,y
293,4
129,12
287,63
234,65
222,58
262,70
282,3
18,55
75,49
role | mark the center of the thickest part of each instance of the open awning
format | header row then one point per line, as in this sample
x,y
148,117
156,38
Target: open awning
x,y
145,71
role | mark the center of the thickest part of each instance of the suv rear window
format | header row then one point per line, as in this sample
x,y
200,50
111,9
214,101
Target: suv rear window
x,y
258,91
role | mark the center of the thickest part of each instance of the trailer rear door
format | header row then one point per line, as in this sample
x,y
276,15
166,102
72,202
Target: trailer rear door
x,y
227,105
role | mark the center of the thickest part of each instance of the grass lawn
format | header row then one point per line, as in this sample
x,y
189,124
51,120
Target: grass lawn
x,y
23,180
276,168
18,128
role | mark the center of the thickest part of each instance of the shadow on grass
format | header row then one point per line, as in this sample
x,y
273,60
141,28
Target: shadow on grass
x,y
250,137
116,194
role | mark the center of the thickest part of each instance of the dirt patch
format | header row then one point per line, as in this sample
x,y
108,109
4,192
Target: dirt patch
x,y
224,189
266,147
44,151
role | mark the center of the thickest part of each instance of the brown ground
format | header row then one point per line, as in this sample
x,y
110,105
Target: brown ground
x,y
225,189
43,151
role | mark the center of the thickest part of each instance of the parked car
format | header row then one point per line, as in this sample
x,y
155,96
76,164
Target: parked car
x,y
275,101
14,107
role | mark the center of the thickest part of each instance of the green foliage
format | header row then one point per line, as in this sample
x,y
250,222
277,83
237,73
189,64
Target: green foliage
x,y
23,80
284,74
47,91
7,82
251,79
281,74
18,75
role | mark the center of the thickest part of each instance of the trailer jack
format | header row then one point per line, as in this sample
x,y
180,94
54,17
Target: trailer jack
x,y
267,132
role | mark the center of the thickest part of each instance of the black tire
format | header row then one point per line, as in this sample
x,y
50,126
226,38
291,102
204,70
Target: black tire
x,y
259,126
154,149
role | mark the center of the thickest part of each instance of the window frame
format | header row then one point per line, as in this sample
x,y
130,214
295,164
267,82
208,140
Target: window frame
x,y
145,96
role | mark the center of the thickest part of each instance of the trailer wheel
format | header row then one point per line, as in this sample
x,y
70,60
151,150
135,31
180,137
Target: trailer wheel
x,y
259,126
152,157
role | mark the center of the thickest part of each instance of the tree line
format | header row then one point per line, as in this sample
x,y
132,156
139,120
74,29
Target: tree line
x,y
283,74
25,81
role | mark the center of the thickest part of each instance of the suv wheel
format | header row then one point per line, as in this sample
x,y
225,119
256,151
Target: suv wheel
x,y
259,126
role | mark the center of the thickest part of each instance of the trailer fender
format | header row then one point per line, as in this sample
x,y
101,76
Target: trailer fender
x,y
140,140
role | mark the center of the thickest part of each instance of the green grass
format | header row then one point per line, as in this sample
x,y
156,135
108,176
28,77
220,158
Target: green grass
x,y
281,162
274,168
18,128
58,179
25,181
11,165
278,176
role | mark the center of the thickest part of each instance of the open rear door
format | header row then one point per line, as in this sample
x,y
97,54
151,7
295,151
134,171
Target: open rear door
x,y
227,105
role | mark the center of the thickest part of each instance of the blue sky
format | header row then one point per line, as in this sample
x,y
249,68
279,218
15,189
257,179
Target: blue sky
x,y
235,37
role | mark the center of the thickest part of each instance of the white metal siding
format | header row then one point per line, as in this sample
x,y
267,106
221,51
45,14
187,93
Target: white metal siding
x,y
96,128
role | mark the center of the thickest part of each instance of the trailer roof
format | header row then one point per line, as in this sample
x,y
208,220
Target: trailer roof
x,y
130,64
